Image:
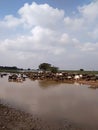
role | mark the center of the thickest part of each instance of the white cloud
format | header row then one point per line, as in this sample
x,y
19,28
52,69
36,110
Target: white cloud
x,y
90,11
10,21
41,15
86,20
89,47
41,39
94,34
43,33
74,24
65,38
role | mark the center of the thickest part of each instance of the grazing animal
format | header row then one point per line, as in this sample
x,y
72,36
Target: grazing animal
x,y
15,77
76,77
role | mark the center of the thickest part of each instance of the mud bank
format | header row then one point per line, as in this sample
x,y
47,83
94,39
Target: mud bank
x,y
92,84
12,119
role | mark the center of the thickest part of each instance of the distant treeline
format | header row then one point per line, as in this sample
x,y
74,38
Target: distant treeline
x,y
9,68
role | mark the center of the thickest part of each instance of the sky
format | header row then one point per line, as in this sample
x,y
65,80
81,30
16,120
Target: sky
x,y
63,33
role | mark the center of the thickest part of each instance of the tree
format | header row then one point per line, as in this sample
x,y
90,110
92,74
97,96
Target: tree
x,y
54,69
81,69
48,67
45,66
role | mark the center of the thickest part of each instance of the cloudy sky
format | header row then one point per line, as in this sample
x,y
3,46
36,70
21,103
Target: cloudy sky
x,y
63,33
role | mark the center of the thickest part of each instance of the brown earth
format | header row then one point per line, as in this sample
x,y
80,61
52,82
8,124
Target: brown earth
x,y
92,84
12,119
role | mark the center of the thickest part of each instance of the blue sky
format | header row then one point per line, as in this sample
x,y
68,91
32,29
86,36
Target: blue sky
x,y
11,6
62,33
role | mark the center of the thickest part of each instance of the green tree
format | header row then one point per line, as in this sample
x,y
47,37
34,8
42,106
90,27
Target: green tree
x,y
45,66
54,69
81,69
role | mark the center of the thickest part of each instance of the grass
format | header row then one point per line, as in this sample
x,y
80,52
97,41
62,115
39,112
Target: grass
x,y
9,71
80,72
68,71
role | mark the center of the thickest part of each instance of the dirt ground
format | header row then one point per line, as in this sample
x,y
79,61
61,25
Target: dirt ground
x,y
12,119
92,84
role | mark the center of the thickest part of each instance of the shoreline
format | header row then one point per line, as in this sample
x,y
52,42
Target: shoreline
x,y
13,119
92,84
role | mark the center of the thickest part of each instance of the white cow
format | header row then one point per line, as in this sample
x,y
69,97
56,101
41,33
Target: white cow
x,y
77,77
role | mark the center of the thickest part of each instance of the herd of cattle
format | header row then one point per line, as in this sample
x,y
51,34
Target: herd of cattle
x,y
14,77
61,76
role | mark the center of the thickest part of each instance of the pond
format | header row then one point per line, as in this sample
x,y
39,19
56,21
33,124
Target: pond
x,y
53,100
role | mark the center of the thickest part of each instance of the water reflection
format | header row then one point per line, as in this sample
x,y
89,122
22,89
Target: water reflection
x,y
53,100
46,83
93,87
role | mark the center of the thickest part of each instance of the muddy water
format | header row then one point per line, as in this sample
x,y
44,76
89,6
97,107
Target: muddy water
x,y
53,101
